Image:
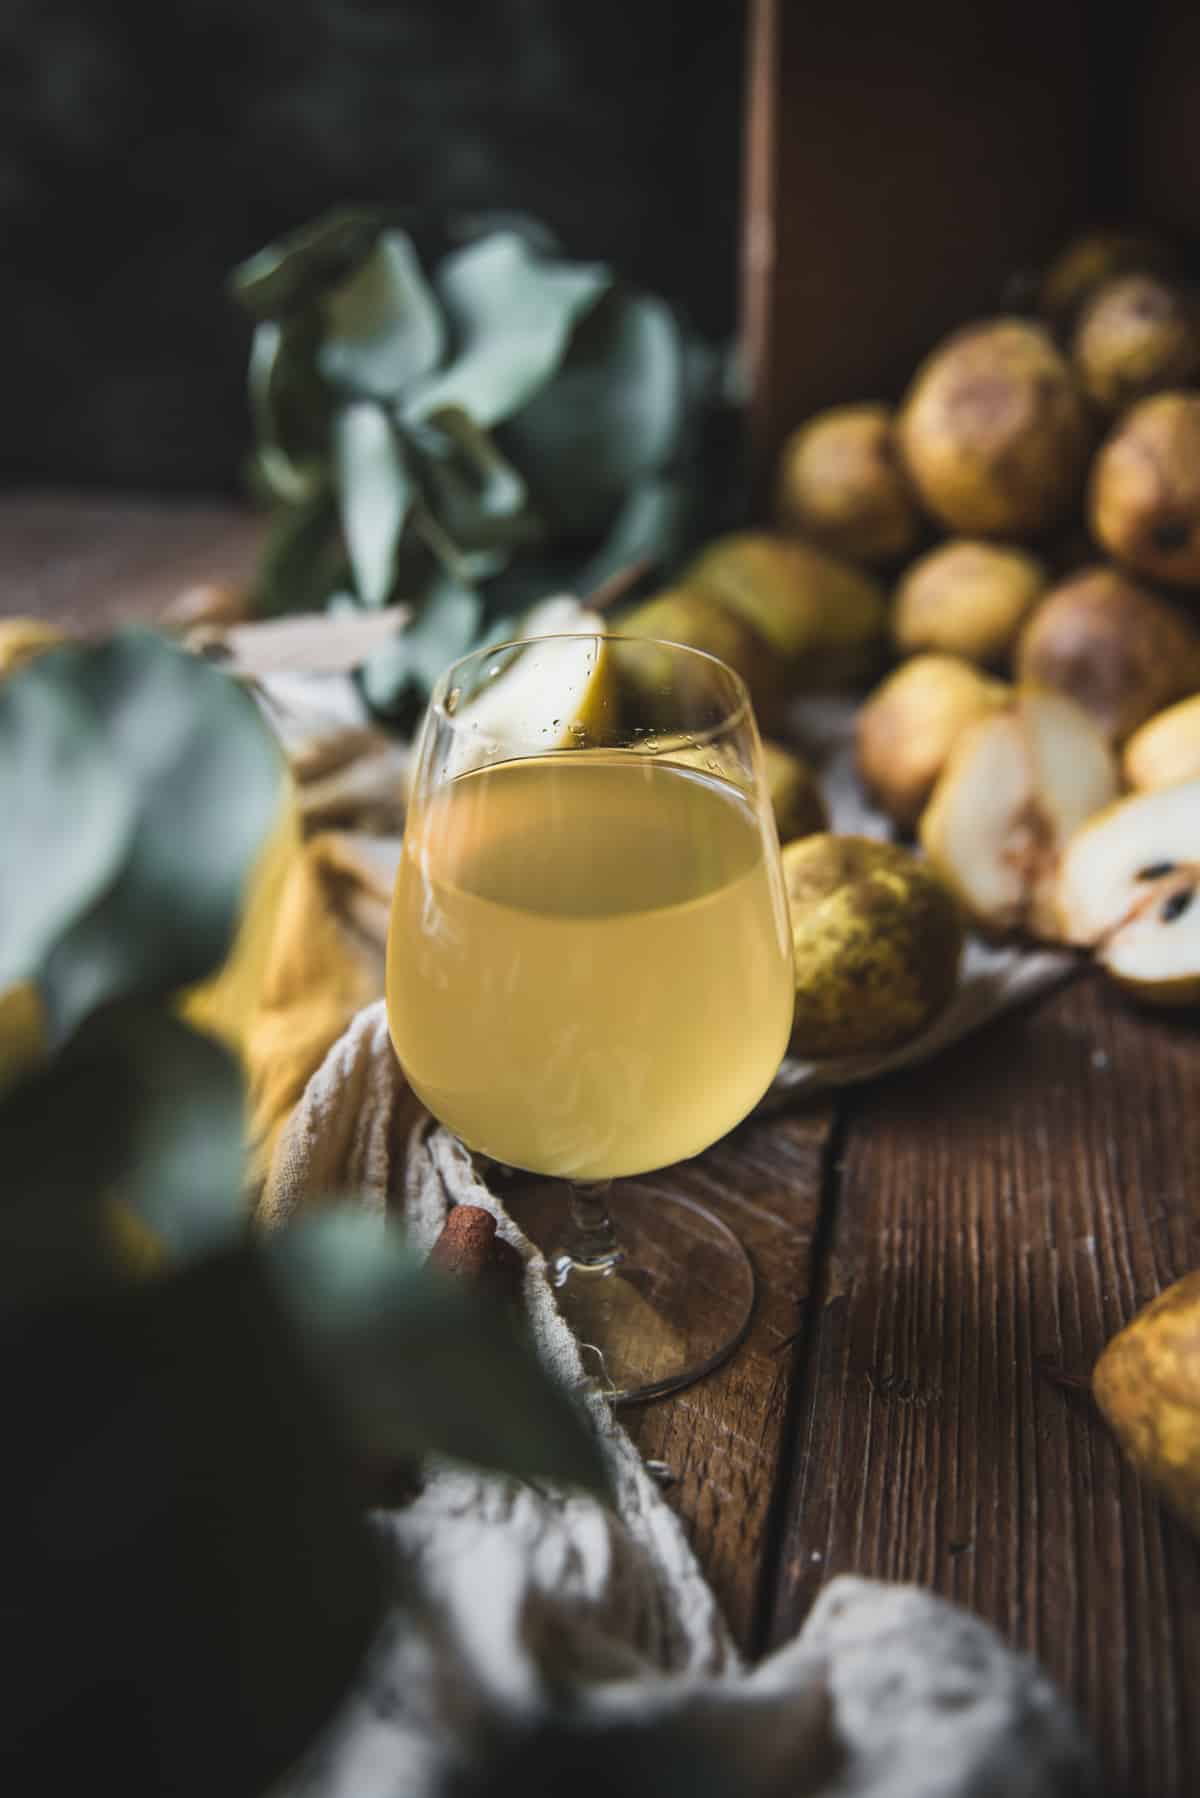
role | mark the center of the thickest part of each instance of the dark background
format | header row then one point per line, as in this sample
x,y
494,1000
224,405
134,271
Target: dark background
x,y
144,151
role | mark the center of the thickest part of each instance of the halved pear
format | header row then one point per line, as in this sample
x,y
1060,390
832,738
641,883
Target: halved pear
x,y
1017,786
1130,889
911,722
541,697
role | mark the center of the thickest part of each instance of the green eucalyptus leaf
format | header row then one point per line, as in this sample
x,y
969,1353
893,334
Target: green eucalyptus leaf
x,y
207,780
383,326
292,272
303,559
138,1112
421,1365
479,497
68,814
290,405
456,562
445,629
513,314
652,526
374,493
616,411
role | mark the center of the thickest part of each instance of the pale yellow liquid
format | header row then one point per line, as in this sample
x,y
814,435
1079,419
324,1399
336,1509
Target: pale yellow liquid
x,y
590,963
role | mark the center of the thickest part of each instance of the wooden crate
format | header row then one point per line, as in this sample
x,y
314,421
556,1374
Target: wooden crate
x,y
906,164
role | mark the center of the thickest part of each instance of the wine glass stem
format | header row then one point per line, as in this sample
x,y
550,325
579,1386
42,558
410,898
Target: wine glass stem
x,y
591,1241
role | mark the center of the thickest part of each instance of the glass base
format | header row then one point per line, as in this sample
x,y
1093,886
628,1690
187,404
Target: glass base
x,y
673,1306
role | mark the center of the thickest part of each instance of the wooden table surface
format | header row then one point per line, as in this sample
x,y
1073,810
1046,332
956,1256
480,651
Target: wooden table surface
x,y
933,1249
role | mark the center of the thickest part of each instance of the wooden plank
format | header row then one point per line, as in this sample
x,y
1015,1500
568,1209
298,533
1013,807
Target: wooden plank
x,y
1001,1215
90,562
722,1438
889,197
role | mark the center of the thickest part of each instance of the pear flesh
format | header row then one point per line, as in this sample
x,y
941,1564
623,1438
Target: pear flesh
x,y
1119,650
1017,786
908,727
538,695
1130,890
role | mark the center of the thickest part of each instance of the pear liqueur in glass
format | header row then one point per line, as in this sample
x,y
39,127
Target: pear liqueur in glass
x,y
589,963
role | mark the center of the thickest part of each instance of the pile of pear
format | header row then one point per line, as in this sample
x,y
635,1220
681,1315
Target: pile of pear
x,y
1005,567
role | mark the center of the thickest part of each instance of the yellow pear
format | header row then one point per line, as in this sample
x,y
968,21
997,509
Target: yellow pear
x,y
909,725
968,598
1147,1384
1119,650
840,485
821,615
794,791
1136,336
994,432
1129,889
1166,749
1086,264
1144,491
1016,787
877,941
687,615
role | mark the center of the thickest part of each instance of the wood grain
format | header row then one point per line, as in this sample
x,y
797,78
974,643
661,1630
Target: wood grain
x,y
1001,1214
90,562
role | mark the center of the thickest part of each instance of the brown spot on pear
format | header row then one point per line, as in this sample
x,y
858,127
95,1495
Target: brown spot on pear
x,y
1016,787
1144,490
908,727
1090,261
1147,1384
1136,336
994,432
877,942
840,484
1116,648
968,598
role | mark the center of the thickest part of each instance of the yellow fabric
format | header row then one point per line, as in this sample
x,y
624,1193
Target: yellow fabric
x,y
22,1030
224,1004
23,638
319,973
308,954
22,1019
